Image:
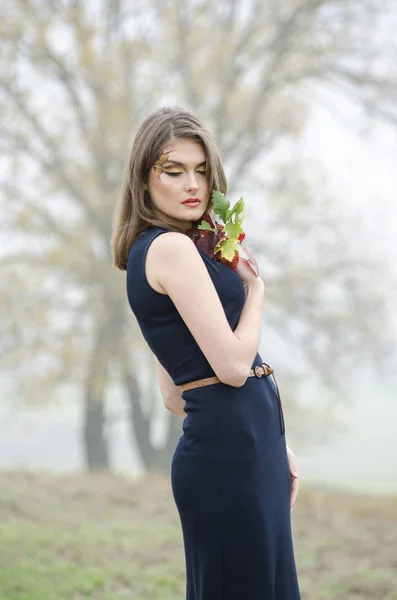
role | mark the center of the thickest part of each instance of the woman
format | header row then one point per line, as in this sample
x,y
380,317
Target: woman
x,y
234,479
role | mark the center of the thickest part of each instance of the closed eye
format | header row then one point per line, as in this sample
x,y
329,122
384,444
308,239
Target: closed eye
x,y
176,174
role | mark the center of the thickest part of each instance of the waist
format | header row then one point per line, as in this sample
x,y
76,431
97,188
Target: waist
x,y
261,370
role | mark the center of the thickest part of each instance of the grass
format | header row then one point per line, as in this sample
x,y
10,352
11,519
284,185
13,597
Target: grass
x,y
110,538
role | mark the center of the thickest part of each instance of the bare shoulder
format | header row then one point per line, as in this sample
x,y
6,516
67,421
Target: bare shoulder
x,y
169,248
173,242
172,248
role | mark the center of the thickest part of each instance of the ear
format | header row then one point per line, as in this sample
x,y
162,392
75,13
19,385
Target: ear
x,y
144,185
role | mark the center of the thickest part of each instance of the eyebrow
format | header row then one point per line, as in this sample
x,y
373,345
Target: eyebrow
x,y
181,164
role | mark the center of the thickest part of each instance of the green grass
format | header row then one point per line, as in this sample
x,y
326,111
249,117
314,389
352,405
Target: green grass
x,y
109,538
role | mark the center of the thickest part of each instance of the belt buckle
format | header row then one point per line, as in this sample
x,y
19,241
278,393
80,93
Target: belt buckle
x,y
263,369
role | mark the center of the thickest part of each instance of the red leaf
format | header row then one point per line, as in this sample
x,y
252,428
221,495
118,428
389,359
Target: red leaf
x,y
204,239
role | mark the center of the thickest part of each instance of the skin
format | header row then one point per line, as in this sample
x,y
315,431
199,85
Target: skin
x,y
168,185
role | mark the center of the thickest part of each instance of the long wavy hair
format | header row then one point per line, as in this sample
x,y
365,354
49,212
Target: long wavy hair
x,y
135,211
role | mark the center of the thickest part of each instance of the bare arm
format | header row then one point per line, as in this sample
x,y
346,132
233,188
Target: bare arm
x,y
170,392
181,272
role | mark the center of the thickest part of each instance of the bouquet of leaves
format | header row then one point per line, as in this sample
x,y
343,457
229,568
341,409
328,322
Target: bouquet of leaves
x,y
223,241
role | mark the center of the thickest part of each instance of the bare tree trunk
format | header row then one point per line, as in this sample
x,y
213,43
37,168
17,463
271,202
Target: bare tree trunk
x,y
163,457
155,460
96,450
95,442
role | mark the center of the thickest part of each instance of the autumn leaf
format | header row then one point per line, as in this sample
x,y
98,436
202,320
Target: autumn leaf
x,y
223,241
226,248
162,159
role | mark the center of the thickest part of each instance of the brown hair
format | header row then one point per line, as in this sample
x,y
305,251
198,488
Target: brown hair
x,y
135,212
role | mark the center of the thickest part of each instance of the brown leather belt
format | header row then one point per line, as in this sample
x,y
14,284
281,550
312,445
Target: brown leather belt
x,y
263,369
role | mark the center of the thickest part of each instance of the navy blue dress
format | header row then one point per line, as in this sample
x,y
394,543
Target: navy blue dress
x,y
229,473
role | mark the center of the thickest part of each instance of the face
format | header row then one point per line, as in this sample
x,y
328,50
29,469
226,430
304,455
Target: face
x,y
178,175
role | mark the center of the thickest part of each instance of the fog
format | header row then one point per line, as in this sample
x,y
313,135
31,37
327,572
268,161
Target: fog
x,y
349,156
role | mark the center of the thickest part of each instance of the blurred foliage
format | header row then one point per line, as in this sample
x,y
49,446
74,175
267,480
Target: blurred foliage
x,y
76,81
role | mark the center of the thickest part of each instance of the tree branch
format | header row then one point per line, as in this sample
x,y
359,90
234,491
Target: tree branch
x,y
55,164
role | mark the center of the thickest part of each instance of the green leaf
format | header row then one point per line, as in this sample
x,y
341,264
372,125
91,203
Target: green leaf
x,y
227,248
233,231
221,205
232,219
206,226
236,211
239,207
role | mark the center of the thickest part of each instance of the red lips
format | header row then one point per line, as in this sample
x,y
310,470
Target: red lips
x,y
191,200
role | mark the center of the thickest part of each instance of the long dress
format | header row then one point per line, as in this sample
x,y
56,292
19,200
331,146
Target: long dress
x,y
229,472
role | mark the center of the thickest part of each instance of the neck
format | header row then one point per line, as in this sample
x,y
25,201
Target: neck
x,y
184,225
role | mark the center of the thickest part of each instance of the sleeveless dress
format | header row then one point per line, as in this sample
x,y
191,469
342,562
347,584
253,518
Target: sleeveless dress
x,y
229,473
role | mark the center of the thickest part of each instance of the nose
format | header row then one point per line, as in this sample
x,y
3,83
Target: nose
x,y
192,184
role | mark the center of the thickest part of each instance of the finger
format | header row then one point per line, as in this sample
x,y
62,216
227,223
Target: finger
x,y
294,490
246,257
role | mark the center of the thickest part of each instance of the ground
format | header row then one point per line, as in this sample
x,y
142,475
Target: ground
x,y
108,537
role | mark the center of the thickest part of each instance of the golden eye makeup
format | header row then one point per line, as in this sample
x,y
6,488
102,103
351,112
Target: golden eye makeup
x,y
160,162
176,173
173,167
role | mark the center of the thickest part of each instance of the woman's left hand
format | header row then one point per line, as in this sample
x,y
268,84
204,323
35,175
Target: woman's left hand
x,y
293,469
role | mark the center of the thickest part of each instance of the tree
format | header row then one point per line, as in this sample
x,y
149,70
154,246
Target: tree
x,y
76,82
